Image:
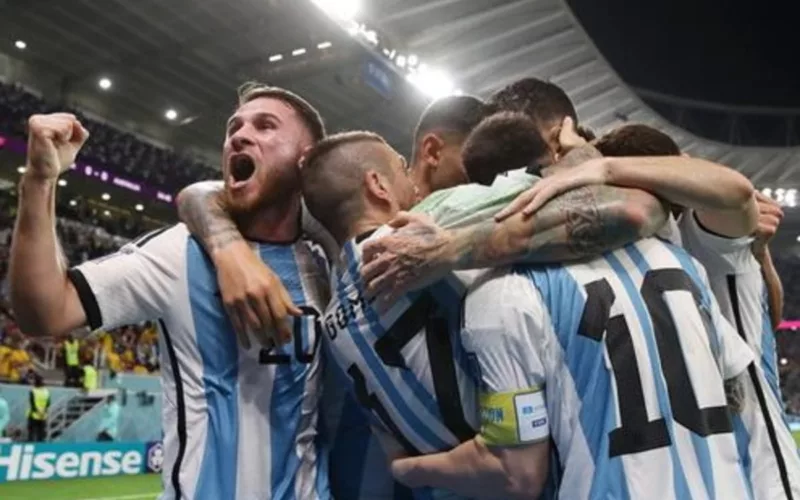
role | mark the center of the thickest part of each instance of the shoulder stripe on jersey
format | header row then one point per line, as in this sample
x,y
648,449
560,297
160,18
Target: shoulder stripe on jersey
x,y
142,240
176,374
762,402
88,300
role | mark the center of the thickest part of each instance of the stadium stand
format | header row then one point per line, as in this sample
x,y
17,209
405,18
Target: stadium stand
x,y
106,146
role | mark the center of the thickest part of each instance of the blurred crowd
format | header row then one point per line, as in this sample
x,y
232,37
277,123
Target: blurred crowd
x,y
129,349
117,151
789,352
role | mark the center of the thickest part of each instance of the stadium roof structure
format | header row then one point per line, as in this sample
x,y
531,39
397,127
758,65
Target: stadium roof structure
x,y
190,54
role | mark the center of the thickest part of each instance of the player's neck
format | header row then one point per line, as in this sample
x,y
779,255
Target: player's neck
x,y
278,223
369,223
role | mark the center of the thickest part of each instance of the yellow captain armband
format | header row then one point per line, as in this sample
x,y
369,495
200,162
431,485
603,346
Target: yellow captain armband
x,y
513,418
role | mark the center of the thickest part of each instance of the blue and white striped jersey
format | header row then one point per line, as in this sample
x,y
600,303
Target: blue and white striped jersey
x,y
405,365
765,440
359,467
632,351
237,423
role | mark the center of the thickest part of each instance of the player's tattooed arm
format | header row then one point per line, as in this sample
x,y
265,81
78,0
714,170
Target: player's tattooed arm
x,y
578,224
201,208
575,225
254,297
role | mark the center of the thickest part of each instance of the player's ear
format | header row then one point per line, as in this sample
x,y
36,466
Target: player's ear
x,y
431,147
377,186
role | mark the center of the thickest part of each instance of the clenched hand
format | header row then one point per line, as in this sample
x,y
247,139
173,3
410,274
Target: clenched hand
x,y
254,297
53,144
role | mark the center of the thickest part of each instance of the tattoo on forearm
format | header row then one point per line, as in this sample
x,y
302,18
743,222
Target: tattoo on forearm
x,y
581,223
206,219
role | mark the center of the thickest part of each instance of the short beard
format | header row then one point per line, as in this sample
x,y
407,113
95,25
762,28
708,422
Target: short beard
x,y
245,213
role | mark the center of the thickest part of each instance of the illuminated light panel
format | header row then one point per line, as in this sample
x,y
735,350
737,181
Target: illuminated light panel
x,y
345,10
431,82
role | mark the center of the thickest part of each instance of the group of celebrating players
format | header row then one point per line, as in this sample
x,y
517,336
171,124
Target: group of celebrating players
x,y
519,311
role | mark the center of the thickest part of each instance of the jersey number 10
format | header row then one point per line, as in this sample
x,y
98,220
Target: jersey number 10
x,y
636,433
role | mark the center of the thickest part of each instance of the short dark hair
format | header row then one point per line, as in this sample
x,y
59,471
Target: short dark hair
x,y
251,91
542,101
502,142
331,178
457,114
637,140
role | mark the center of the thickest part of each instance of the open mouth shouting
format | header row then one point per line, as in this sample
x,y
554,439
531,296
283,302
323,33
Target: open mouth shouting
x,y
242,168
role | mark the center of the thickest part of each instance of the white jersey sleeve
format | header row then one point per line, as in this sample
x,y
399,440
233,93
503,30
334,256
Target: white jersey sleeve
x,y
719,255
505,329
135,284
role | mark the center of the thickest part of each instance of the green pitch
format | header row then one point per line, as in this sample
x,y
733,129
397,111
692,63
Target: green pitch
x,y
796,435
145,487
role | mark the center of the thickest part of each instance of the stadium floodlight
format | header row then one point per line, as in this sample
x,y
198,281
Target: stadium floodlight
x,y
72,203
21,170
298,52
371,36
171,114
433,83
413,60
106,196
353,28
106,213
139,207
21,45
784,361
324,45
401,61
275,58
344,10
62,182
104,83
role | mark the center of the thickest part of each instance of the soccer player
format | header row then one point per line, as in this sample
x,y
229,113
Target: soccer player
x,y
744,282
237,423
405,366
447,470
251,291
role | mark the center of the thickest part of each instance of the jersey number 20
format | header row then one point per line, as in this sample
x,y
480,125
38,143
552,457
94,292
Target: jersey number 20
x,y
636,433
268,357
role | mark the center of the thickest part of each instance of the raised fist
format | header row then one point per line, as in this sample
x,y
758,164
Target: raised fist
x,y
53,144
